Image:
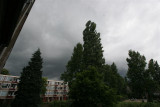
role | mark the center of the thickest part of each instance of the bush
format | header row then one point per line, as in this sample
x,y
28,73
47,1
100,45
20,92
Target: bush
x,y
5,103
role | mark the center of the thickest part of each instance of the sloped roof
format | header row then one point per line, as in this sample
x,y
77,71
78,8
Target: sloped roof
x,y
9,14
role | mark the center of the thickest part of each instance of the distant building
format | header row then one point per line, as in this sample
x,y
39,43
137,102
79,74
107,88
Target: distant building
x,y
56,90
8,86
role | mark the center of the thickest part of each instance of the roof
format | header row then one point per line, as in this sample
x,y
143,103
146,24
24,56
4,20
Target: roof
x,y
9,75
9,14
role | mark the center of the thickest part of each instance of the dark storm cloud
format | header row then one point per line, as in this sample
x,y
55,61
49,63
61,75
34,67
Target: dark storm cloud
x,y
56,26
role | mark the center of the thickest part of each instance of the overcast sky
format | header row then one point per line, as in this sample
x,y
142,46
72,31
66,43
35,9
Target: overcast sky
x,y
56,26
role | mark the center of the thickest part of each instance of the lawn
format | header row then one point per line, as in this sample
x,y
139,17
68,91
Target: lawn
x,y
137,104
121,104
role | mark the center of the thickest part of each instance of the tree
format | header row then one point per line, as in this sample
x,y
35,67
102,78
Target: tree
x,y
120,82
88,87
29,87
113,79
44,85
109,77
114,68
5,71
89,90
136,69
93,53
150,84
156,75
74,64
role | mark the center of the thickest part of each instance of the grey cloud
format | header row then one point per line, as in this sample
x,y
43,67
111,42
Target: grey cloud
x,y
55,26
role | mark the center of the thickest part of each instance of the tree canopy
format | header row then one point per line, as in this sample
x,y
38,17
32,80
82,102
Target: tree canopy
x,y
149,81
93,53
84,72
136,69
44,85
113,79
29,87
88,89
5,71
74,65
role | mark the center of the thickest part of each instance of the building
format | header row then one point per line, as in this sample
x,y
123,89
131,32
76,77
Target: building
x,y
8,86
56,90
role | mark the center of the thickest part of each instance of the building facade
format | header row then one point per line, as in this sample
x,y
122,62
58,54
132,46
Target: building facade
x,y
8,86
56,90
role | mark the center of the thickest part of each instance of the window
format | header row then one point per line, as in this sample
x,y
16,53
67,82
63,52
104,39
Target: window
x,y
6,85
61,88
47,87
47,93
2,78
11,93
13,86
55,88
52,88
8,78
3,93
53,82
15,79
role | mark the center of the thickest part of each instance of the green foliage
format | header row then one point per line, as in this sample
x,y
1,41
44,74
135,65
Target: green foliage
x,y
5,102
143,83
114,68
84,72
156,77
74,64
135,74
5,71
88,89
156,74
29,87
150,84
113,79
93,53
109,77
44,85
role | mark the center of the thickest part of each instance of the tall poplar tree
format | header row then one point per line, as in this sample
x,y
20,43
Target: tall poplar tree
x,y
93,53
88,88
135,74
29,87
150,83
157,73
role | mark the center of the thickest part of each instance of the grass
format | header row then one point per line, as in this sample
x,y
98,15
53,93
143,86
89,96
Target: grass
x,y
57,104
137,104
120,104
